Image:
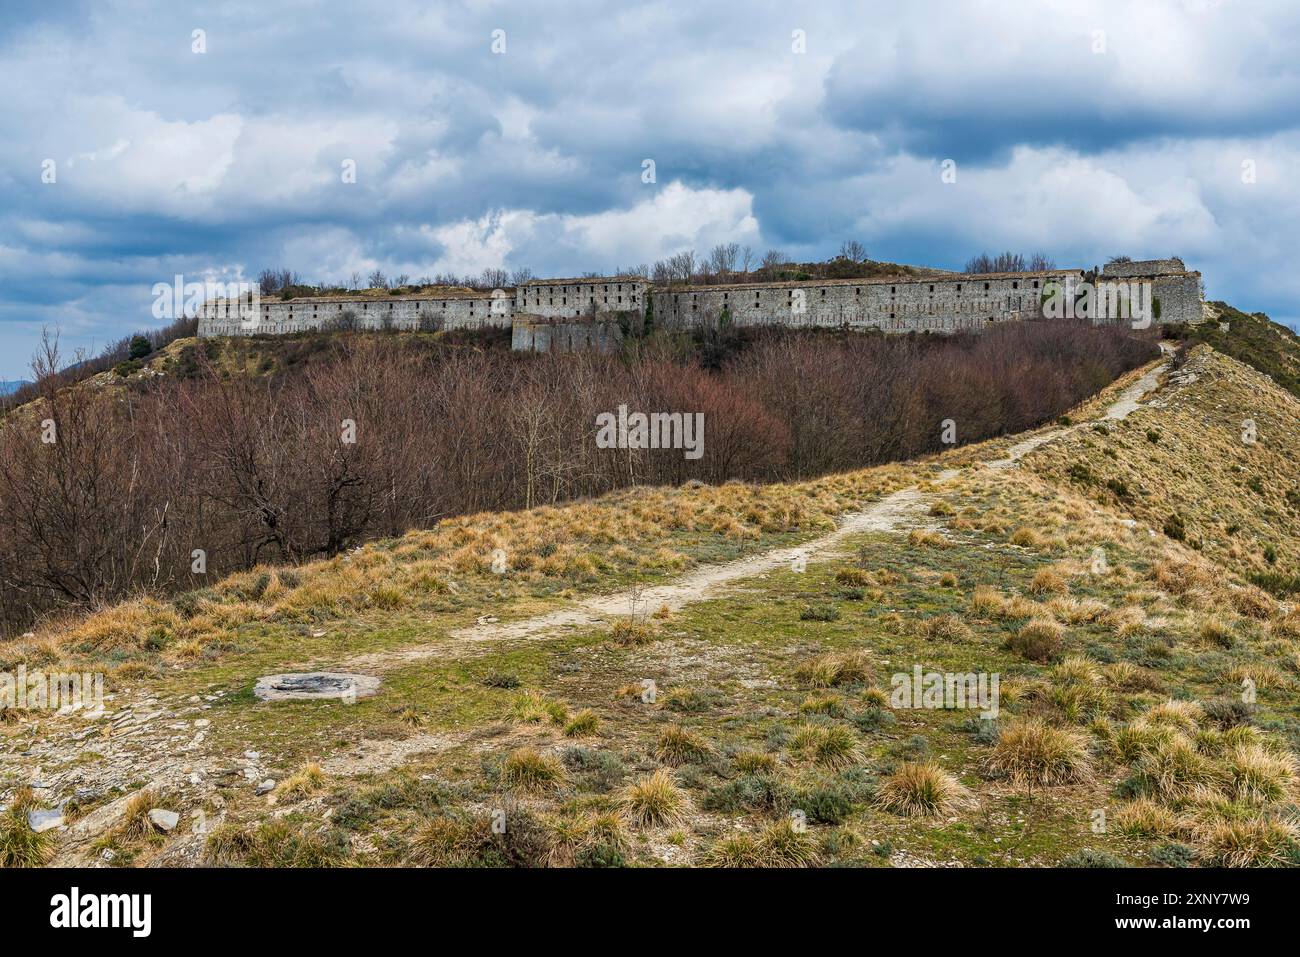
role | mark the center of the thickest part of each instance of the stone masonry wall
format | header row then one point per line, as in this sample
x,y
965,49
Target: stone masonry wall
x,y
947,303
549,335
941,305
562,298
276,317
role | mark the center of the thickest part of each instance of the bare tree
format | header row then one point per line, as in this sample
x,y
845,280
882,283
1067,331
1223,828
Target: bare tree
x,y
1003,262
494,278
681,267
377,280
853,251
722,260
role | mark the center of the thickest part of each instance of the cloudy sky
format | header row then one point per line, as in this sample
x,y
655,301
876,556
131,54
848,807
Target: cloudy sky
x,y
1083,129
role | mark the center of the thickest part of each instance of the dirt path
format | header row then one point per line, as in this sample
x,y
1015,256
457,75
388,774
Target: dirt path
x,y
883,516
149,732
895,512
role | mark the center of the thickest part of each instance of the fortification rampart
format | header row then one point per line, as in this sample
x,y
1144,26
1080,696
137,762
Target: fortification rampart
x,y
950,303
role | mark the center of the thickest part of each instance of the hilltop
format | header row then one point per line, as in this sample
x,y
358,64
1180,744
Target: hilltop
x,y
1252,338
703,675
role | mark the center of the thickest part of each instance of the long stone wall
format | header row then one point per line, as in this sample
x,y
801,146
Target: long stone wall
x,y
940,305
565,298
318,314
947,303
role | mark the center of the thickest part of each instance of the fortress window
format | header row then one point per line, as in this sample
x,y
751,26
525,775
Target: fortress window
x,y
857,292
932,289
986,287
1015,285
823,293
1035,283
959,287
620,298
892,290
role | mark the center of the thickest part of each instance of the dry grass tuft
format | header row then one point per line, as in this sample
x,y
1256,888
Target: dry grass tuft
x,y
526,770
677,745
835,669
1030,751
832,746
779,844
307,780
583,724
652,801
1048,582
922,790
946,628
1261,842
1038,640
986,602
1146,818
20,846
629,633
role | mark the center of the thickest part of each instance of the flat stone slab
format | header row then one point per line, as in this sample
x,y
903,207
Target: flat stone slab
x,y
315,686
163,820
42,821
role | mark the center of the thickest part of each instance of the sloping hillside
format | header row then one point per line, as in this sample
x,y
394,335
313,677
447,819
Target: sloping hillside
x,y
1254,339
1211,462
713,675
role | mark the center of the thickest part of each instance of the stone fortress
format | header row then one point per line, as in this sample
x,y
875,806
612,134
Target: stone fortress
x,y
591,313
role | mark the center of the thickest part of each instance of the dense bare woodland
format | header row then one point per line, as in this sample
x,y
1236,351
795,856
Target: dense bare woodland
x,y
256,469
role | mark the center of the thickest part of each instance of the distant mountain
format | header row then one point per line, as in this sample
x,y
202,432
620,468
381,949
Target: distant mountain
x,y
12,386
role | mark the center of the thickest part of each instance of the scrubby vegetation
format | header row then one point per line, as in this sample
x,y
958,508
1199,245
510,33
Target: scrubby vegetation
x,y
1145,715
236,452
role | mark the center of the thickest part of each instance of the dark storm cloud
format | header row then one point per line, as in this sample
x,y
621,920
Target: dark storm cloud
x,y
228,161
